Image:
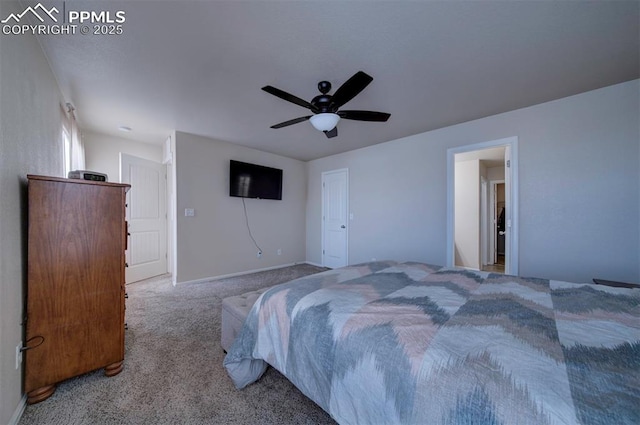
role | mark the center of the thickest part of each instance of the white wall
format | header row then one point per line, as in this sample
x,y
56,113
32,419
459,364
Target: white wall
x,y
102,153
31,116
216,242
495,173
579,179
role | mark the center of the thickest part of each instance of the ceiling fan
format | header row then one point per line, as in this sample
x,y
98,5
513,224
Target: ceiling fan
x,y
325,107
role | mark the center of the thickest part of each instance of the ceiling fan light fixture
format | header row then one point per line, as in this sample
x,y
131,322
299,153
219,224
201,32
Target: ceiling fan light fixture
x,y
324,121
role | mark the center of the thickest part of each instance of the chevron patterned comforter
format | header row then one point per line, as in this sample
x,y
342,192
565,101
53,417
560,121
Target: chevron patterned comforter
x,y
406,343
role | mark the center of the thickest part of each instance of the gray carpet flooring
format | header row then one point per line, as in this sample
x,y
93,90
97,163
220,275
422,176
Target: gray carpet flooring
x,y
173,366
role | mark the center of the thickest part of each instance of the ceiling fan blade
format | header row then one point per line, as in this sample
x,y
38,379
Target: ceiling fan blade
x,y
289,97
331,133
291,122
364,115
350,88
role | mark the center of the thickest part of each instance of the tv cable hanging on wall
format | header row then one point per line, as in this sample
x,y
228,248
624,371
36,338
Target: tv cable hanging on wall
x,y
246,219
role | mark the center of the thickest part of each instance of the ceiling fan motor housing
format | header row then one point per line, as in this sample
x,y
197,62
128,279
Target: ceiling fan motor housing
x,y
323,103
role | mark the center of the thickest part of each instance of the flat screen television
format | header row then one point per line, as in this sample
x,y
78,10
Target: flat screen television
x,y
254,181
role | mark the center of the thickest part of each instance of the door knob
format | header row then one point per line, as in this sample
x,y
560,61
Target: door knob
x,y
343,227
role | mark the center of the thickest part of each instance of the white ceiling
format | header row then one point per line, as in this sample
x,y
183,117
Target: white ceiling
x,y
198,66
491,157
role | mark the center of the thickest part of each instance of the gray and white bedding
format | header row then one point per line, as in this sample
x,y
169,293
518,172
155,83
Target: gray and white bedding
x,y
410,343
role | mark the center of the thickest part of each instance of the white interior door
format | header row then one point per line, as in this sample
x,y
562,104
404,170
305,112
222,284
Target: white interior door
x,y
146,216
484,222
335,196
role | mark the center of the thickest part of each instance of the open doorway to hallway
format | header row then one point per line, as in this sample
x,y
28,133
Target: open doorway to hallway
x,y
482,207
496,215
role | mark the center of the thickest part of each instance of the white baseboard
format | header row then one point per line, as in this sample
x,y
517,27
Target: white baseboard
x,y
224,276
468,268
17,414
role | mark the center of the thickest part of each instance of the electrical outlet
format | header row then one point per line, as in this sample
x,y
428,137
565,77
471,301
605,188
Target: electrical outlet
x,y
18,355
279,251
259,254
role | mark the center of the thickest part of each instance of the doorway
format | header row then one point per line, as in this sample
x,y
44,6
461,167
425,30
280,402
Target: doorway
x,y
496,214
335,207
482,226
146,216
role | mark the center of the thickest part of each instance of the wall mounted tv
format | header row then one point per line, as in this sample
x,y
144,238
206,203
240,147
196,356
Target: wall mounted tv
x,y
254,181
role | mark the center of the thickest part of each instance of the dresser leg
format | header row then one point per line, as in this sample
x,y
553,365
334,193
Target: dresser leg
x,y
40,394
114,369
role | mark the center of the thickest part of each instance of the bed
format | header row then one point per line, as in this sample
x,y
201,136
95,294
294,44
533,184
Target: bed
x,y
411,343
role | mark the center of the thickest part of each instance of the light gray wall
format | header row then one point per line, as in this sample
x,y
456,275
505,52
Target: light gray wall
x,y
495,173
31,117
579,188
216,242
102,153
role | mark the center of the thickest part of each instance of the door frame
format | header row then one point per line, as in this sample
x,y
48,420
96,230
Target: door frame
x,y
512,263
322,227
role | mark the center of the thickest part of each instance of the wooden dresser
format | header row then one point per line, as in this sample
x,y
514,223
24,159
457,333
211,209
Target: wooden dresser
x,y
75,281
